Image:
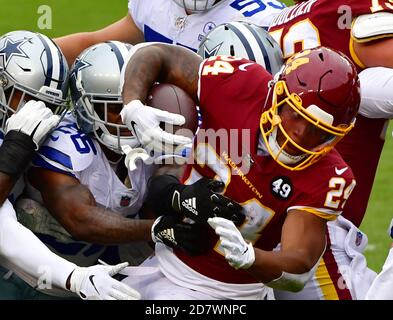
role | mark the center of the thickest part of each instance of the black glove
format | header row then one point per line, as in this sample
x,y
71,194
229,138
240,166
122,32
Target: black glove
x,y
201,201
198,201
191,238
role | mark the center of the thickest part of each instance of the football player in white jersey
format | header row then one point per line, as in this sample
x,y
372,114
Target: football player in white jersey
x,y
20,250
172,21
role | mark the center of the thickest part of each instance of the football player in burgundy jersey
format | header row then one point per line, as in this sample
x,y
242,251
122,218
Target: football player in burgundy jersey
x,y
361,30
288,178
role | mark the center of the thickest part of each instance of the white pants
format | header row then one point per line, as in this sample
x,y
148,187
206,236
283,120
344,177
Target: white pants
x,y
153,285
342,273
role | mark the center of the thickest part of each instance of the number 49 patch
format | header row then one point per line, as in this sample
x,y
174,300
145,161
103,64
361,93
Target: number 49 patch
x,y
281,187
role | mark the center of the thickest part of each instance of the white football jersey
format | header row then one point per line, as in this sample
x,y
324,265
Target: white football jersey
x,y
165,21
70,151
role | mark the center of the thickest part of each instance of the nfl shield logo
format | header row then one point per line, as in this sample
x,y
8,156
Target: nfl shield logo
x,y
125,201
359,238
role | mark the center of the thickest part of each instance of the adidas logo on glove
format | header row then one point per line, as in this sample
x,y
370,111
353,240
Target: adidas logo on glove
x,y
190,205
167,234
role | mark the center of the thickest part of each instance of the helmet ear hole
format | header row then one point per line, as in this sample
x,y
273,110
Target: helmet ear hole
x,y
232,50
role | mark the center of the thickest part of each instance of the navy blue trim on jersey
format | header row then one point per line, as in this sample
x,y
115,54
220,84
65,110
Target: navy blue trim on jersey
x,y
261,45
1,135
64,248
118,54
41,163
56,156
71,248
244,41
49,69
154,36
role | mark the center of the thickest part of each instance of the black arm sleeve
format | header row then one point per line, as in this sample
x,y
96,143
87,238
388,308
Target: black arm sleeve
x,y
160,193
16,153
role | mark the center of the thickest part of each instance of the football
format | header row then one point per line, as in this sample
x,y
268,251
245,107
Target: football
x,y
171,98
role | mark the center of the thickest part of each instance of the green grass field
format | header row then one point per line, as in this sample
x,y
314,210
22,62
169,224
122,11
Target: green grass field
x,y
71,16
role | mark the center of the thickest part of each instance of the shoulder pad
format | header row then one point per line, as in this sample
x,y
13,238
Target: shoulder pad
x,y
373,26
67,149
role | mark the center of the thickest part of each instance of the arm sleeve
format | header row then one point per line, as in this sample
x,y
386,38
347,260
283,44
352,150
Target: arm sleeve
x,y
25,251
377,95
160,192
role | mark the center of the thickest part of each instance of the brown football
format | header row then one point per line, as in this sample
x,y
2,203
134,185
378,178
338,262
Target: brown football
x,y
171,98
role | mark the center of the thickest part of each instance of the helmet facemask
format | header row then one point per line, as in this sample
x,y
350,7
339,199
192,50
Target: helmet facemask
x,y
196,6
271,126
92,113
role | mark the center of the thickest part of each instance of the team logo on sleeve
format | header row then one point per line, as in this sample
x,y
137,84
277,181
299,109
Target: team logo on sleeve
x,y
125,201
281,187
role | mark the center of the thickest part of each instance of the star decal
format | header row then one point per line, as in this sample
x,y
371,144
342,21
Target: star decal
x,y
11,49
79,65
207,53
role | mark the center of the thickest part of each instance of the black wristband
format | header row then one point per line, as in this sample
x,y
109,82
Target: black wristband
x,y
16,153
160,192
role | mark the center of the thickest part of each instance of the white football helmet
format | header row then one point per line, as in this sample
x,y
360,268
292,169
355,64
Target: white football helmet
x,y
31,67
95,89
245,40
196,6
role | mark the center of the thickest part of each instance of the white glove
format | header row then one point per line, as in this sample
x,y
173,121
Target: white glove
x,y
34,120
390,230
96,283
144,122
133,155
238,253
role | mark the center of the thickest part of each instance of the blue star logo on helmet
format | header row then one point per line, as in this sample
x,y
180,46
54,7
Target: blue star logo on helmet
x,y
11,49
207,53
79,65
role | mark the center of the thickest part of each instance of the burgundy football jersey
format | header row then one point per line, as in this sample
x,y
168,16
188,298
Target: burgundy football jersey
x,y
328,22
232,94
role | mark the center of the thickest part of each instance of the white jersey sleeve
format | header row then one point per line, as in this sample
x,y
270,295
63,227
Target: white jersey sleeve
x,y
67,150
165,21
377,95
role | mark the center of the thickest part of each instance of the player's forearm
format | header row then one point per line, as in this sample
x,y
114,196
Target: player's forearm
x,y
142,71
269,265
22,249
6,183
103,226
162,63
15,155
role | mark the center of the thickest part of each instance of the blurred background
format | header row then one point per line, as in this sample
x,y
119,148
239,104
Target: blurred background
x,y
70,16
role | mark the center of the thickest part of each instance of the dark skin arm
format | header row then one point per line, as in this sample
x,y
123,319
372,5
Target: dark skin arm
x,y
73,205
162,63
6,183
302,244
